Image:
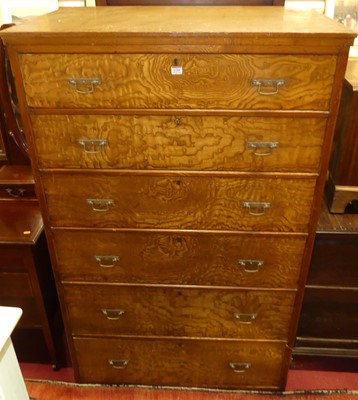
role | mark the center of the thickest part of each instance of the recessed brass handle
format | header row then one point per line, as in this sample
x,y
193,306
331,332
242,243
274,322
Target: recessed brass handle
x,y
244,318
251,265
84,85
107,261
256,208
92,146
240,367
15,192
274,84
262,148
100,205
112,313
119,364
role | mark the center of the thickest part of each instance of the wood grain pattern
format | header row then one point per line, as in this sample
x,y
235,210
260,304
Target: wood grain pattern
x,y
178,142
178,258
145,81
178,311
195,363
179,202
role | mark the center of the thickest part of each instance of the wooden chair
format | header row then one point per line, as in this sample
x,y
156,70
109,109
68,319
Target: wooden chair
x,y
190,2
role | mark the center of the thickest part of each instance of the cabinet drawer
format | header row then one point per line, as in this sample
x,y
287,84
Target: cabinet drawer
x,y
12,259
30,317
185,142
17,191
178,311
330,314
192,363
15,285
145,81
235,202
179,258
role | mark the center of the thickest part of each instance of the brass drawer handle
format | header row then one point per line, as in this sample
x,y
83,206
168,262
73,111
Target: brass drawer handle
x,y
84,85
246,319
112,314
119,364
256,208
15,192
92,146
240,367
107,261
262,148
268,83
251,265
100,205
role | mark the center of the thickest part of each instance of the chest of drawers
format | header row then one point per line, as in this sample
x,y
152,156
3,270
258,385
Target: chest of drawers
x,y
180,159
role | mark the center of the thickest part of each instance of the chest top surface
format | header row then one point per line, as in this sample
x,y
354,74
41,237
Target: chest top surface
x,y
156,24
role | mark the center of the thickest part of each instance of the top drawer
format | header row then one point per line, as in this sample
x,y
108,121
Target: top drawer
x,y
190,81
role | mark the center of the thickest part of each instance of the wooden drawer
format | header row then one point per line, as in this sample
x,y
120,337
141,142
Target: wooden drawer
x,y
145,81
178,311
31,317
12,259
105,200
16,285
329,314
180,362
17,191
185,142
179,258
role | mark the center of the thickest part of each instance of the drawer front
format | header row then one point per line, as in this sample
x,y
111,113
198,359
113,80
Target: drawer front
x,y
167,311
179,258
185,142
145,81
17,191
180,202
329,314
30,317
12,259
191,363
16,285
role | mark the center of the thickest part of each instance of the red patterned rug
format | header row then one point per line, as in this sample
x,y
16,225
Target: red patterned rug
x,y
50,390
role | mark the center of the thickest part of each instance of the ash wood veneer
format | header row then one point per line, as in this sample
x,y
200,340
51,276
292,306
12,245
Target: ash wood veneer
x,y
180,159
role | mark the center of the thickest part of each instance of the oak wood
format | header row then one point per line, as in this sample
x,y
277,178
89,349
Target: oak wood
x,y
190,2
196,363
185,258
145,81
179,202
178,142
184,312
222,40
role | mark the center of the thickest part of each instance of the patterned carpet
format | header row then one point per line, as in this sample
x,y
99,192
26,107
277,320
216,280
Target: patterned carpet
x,y
42,390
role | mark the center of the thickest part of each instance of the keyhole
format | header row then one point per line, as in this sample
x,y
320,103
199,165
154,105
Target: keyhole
x,y
177,121
178,182
175,62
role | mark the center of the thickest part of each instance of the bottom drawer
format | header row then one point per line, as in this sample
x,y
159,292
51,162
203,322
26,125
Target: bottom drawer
x,y
181,362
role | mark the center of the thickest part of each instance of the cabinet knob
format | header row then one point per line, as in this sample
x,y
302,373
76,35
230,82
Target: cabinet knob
x,y
245,318
268,87
112,314
251,265
107,261
119,364
100,205
92,146
262,148
84,85
240,367
256,208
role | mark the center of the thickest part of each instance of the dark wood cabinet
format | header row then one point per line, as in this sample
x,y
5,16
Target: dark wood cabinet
x,y
26,278
342,185
329,318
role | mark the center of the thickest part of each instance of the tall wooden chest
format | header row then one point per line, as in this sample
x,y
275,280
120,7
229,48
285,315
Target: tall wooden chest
x,y
180,155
